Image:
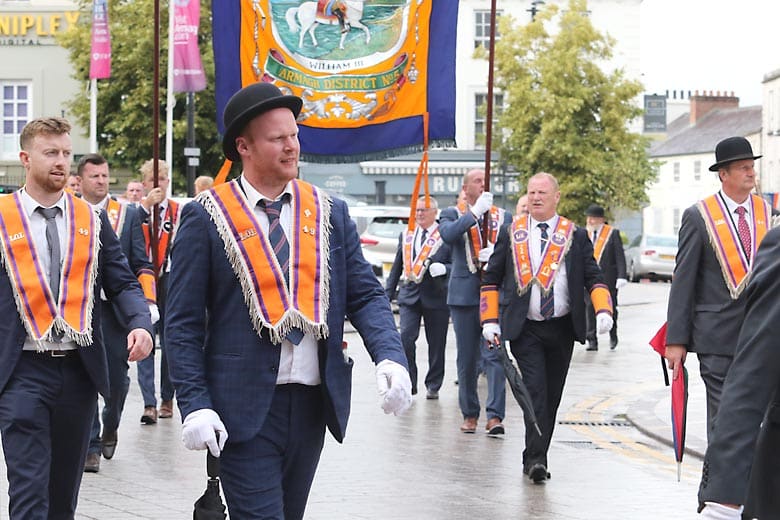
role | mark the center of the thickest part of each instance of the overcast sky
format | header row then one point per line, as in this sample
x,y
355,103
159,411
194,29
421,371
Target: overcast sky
x,y
710,45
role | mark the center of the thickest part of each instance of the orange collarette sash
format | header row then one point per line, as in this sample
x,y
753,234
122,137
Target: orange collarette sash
x,y
271,305
734,264
165,234
40,314
116,213
473,236
415,268
601,241
554,253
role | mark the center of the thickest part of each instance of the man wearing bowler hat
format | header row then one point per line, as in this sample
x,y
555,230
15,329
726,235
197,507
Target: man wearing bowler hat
x,y
608,252
719,236
275,265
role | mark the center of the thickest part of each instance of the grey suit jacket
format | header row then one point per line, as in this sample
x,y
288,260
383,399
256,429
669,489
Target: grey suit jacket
x,y
701,314
752,380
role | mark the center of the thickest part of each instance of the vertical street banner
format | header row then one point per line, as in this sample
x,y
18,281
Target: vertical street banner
x,y
100,51
367,70
188,75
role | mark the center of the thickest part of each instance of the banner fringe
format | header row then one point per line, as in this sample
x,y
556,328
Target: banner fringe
x,y
374,156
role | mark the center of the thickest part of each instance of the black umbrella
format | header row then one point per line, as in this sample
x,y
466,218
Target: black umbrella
x,y
519,390
210,506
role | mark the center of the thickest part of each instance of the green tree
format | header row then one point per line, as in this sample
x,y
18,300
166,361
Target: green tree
x,y
565,115
124,103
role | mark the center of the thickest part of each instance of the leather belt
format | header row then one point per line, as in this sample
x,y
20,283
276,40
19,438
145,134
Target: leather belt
x,y
53,353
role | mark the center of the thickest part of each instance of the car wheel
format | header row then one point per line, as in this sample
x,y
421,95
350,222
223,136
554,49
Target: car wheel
x,y
632,277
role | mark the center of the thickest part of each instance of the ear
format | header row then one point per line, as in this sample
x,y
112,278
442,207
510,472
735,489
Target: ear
x,y
241,145
24,157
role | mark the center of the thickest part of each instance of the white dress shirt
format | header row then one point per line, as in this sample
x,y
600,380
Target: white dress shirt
x,y
38,232
732,206
560,283
297,363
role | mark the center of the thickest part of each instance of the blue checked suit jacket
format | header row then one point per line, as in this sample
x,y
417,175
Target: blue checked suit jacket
x,y
218,361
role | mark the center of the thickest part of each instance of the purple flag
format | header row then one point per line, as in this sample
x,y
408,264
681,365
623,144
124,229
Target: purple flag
x,y
188,73
100,56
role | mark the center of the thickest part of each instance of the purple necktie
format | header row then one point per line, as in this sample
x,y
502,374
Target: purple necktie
x,y
744,231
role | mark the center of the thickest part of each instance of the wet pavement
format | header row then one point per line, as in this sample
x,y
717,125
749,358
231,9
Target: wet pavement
x,y
609,457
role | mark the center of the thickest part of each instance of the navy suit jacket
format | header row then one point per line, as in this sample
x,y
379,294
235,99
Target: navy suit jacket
x,y
464,285
582,272
431,292
223,364
121,287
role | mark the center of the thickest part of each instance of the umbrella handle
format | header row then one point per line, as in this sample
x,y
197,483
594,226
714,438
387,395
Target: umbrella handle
x,y
212,463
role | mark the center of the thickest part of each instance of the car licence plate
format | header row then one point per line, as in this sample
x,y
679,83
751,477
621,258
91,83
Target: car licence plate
x,y
666,257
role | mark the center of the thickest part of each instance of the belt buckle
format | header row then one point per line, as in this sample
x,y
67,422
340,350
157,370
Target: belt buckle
x,y
57,353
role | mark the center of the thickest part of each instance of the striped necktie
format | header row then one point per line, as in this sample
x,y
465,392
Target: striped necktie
x,y
281,248
547,301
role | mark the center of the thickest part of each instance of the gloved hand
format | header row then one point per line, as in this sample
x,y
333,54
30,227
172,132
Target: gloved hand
x,y
621,282
490,331
198,431
483,204
155,312
603,323
715,511
485,253
395,387
437,269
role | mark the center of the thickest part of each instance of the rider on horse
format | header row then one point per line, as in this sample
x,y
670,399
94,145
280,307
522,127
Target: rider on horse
x,y
335,8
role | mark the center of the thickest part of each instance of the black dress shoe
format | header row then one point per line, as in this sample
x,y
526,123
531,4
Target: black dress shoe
x,y
432,394
108,442
592,345
613,342
538,473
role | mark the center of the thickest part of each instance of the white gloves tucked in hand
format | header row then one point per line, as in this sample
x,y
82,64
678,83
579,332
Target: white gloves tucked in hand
x,y
715,511
437,269
155,312
621,282
483,204
198,431
490,331
603,323
395,387
485,253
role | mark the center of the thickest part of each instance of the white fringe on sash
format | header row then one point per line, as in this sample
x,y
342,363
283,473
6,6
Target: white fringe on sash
x,y
292,318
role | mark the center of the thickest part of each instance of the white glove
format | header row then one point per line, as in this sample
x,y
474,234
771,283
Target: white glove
x,y
490,331
483,204
621,282
437,269
198,431
155,312
485,253
715,511
395,387
603,323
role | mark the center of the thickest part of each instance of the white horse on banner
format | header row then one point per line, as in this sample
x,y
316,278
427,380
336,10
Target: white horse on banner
x,y
307,20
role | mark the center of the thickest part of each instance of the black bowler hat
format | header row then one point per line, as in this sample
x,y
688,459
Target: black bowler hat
x,y
732,149
246,104
594,210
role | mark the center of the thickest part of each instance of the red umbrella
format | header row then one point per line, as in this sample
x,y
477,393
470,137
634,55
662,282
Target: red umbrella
x,y
679,416
679,399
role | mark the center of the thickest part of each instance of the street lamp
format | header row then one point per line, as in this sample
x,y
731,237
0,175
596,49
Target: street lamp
x,y
533,10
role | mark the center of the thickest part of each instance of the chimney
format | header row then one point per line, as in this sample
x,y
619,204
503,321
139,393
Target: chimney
x,y
704,103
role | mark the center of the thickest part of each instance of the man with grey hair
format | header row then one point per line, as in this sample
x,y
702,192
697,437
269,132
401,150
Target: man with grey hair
x,y
421,265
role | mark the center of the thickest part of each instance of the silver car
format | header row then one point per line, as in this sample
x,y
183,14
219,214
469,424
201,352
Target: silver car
x,y
651,256
379,227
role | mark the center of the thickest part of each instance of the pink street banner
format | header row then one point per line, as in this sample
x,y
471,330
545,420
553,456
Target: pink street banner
x,y
100,55
188,73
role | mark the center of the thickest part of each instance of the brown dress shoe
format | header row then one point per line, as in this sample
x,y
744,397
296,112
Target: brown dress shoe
x,y
92,465
150,415
469,425
166,410
494,426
